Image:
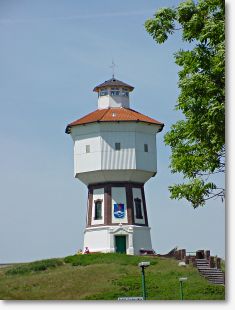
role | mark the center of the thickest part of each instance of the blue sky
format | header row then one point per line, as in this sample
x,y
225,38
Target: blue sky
x,y
52,55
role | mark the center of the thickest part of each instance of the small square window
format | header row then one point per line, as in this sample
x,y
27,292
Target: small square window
x,y
117,146
88,149
146,147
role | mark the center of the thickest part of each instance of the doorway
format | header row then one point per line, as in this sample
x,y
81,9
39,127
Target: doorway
x,y
120,243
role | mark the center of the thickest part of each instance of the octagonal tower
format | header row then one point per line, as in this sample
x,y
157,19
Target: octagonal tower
x,y
115,155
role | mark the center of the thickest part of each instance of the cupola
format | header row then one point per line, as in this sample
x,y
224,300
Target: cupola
x,y
113,94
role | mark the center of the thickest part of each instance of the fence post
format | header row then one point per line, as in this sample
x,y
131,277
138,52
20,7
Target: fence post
x,y
194,261
207,254
200,254
218,263
212,262
186,259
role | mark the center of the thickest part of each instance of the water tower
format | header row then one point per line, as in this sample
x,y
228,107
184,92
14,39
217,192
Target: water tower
x,y
114,156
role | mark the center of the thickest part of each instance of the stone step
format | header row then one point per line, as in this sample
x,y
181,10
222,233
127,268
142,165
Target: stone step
x,y
216,282
214,277
202,263
211,270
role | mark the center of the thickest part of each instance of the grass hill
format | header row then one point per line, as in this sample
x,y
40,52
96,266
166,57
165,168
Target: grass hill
x,y
103,277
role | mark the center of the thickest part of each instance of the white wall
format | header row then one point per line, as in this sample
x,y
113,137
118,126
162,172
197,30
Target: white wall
x,y
118,195
97,240
102,239
97,194
141,239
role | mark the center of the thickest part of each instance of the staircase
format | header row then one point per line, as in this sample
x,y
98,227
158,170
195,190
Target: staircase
x,y
213,275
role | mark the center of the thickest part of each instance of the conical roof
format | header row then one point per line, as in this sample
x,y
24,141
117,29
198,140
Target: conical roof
x,y
112,83
114,115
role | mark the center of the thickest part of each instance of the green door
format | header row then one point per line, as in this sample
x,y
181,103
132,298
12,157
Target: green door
x,y
120,242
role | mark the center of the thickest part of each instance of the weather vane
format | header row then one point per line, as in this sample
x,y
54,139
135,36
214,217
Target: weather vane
x,y
113,68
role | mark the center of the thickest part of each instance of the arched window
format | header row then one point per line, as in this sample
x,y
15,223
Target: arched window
x,y
98,209
138,209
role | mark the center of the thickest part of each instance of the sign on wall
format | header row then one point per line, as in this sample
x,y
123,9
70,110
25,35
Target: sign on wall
x,y
119,210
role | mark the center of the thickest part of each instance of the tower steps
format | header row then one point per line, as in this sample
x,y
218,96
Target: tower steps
x,y
213,275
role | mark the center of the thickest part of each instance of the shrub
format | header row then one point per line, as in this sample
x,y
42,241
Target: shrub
x,y
35,266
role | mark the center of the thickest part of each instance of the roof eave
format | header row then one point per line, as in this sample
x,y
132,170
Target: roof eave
x,y
69,127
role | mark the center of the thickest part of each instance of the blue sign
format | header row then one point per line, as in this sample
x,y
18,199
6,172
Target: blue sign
x,y
119,210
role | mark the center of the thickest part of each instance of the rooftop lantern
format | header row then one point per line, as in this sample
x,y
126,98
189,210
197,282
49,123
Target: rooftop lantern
x,y
113,94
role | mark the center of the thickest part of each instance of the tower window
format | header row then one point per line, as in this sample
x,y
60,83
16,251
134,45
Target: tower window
x,y
117,146
103,92
88,149
138,209
125,92
146,147
115,92
98,209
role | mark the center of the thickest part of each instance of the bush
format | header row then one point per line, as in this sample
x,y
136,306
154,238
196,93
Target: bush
x,y
35,266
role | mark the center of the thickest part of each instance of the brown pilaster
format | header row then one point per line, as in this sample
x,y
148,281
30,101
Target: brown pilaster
x,y
90,199
129,199
107,205
144,205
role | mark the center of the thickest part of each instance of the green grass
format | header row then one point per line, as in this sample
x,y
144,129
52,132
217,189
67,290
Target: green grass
x,y
103,277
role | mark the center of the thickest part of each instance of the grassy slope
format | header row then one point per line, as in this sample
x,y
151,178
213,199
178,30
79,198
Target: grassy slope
x,y
103,277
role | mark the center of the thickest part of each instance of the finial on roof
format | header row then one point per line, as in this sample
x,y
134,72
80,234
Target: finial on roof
x,y
113,68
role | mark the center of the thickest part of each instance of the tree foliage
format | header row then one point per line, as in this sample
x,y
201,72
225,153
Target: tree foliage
x,y
198,141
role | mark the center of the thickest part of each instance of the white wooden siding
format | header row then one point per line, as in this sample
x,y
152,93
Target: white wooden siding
x,y
146,160
103,163
124,158
87,161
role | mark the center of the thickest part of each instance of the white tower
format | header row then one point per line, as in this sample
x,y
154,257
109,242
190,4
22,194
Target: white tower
x,y
114,155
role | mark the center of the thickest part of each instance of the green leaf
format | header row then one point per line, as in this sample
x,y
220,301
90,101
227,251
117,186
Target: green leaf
x,y
198,141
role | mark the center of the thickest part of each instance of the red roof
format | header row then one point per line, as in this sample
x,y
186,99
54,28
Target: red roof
x,y
114,115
